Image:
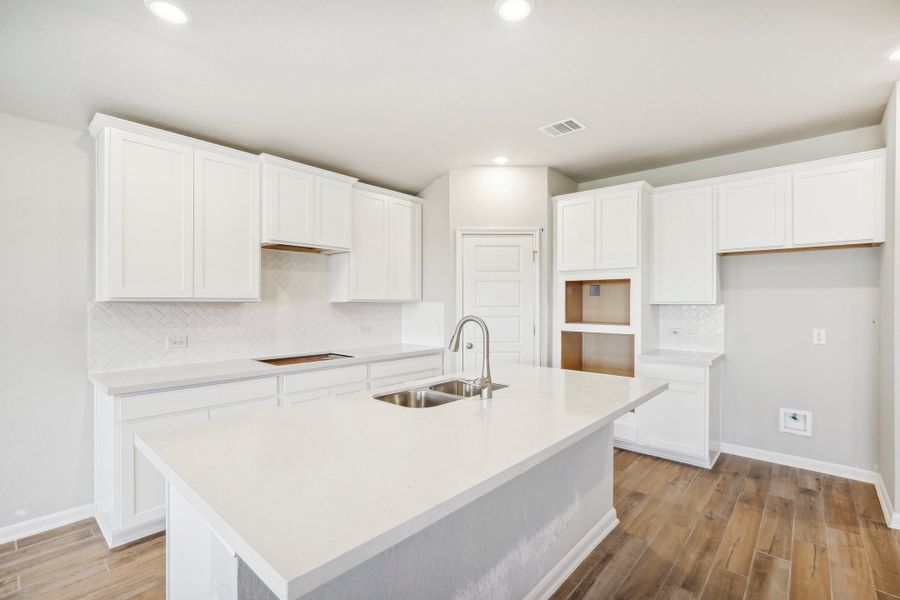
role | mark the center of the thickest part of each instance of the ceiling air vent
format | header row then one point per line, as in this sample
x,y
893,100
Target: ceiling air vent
x,y
564,127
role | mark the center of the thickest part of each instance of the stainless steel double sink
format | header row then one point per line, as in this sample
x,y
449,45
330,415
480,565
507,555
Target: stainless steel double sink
x,y
436,394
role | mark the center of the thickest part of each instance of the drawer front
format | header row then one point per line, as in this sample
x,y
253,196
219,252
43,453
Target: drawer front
x,y
392,368
338,390
187,399
241,409
326,378
405,378
673,372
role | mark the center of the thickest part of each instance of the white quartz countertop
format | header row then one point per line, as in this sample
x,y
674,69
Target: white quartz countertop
x,y
307,492
683,357
114,383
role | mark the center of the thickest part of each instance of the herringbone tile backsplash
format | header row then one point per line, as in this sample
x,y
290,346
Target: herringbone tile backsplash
x,y
706,321
294,316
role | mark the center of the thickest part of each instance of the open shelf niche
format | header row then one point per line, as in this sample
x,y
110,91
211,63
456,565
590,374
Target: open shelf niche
x,y
608,353
599,302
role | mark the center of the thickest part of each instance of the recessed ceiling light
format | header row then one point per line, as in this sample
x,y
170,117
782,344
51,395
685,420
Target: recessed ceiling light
x,y
168,12
513,10
894,55
501,160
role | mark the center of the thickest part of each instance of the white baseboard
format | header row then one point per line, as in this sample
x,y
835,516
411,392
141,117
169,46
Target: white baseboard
x,y
810,464
18,531
890,515
688,459
114,539
574,557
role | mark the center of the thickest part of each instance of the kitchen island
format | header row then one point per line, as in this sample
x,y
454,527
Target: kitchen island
x,y
351,497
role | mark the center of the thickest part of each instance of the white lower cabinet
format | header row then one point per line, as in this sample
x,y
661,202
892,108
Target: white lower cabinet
x,y
129,493
682,423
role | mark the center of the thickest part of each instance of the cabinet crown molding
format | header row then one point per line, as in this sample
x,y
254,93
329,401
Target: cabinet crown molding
x,y
270,159
367,187
642,186
102,121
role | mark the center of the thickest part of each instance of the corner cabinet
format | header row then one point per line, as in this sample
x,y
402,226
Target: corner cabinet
x,y
685,266
305,207
385,263
598,230
177,218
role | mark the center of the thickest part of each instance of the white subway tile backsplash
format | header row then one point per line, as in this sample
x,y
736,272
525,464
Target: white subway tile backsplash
x,y
293,316
706,322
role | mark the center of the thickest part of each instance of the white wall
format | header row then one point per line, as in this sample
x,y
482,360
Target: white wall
x,y
46,236
889,403
772,303
835,144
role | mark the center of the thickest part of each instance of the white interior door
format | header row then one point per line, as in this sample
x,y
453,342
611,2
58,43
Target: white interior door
x,y
499,285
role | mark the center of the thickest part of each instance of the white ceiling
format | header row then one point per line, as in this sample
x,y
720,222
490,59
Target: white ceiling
x,y
399,91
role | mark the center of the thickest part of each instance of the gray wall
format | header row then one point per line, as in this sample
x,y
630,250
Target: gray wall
x,y
46,239
889,419
772,303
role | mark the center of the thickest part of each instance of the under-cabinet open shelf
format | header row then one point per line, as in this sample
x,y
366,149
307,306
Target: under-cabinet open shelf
x,y
601,302
608,353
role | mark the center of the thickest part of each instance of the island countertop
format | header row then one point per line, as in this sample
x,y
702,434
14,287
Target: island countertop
x,y
304,493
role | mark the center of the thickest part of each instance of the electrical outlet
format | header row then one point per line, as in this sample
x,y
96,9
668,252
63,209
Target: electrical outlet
x,y
594,290
176,341
796,421
681,332
818,336
365,329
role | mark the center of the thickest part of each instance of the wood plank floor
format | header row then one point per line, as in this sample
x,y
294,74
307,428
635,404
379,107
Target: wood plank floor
x,y
74,562
744,530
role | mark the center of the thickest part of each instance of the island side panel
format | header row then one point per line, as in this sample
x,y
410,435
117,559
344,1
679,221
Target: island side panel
x,y
518,541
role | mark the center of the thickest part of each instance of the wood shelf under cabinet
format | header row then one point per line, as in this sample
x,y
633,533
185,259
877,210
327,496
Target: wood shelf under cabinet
x,y
610,303
608,353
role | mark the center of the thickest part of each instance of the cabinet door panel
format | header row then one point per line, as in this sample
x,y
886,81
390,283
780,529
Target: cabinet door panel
x,y
226,227
575,248
151,236
616,231
333,213
676,419
369,257
290,214
143,487
404,249
751,213
684,258
242,409
834,204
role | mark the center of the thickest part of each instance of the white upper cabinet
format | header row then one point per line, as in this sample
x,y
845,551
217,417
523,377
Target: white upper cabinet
x,y
598,229
575,227
386,261
304,206
290,206
226,227
684,255
616,228
146,200
839,203
369,262
177,218
751,213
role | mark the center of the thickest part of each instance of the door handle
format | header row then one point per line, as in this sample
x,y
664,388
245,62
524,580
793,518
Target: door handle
x,y
468,345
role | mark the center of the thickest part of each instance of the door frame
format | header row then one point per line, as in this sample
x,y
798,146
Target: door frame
x,y
535,233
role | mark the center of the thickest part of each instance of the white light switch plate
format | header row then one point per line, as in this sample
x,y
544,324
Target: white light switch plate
x,y
818,336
